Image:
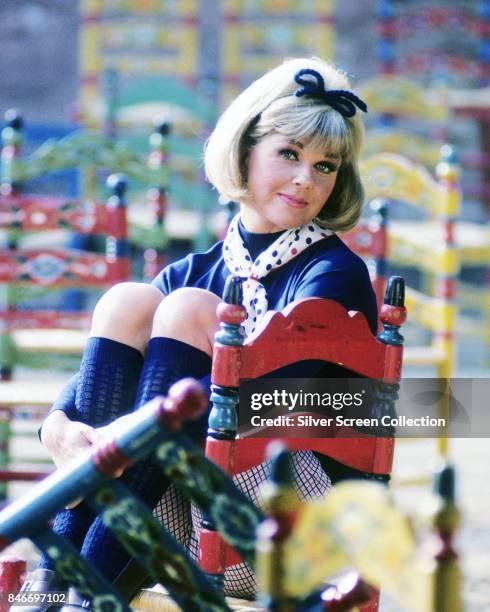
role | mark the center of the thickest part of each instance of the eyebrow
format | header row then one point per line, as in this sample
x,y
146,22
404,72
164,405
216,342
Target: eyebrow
x,y
300,145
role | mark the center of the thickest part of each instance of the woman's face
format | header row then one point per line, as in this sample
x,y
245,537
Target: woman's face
x,y
289,182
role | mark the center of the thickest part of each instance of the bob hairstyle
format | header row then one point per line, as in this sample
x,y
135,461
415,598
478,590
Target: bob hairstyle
x,y
268,105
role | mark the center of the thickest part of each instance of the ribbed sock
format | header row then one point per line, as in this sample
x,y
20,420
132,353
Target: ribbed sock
x,y
166,362
107,383
109,377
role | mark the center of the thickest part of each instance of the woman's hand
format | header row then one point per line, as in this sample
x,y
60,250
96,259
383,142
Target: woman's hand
x,y
110,431
65,439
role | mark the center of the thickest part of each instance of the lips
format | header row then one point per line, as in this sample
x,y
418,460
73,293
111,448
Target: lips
x,y
293,201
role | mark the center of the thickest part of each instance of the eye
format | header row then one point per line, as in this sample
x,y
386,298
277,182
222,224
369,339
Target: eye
x,y
288,153
326,167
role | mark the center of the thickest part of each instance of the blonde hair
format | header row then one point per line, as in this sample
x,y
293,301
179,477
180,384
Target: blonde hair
x,y
268,105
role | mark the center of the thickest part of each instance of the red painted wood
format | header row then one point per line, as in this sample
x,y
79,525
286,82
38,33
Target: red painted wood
x,y
367,240
338,599
373,604
12,573
232,314
314,329
232,557
310,329
222,453
108,460
393,364
118,269
393,315
25,475
58,268
446,287
186,399
212,560
43,213
226,365
44,319
116,223
365,453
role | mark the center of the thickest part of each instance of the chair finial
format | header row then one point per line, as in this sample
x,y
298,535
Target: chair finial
x,y
281,473
233,292
117,183
444,483
162,126
14,119
395,291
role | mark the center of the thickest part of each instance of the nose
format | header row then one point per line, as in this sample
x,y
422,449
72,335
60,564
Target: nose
x,y
302,177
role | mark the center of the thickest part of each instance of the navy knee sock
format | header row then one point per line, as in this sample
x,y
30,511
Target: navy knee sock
x,y
109,375
166,362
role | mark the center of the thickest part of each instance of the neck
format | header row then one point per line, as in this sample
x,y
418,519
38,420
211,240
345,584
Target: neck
x,y
256,224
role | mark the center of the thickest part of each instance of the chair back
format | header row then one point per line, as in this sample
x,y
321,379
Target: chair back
x,y
427,245
312,328
58,267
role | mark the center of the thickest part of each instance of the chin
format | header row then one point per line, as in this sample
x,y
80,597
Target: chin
x,y
291,222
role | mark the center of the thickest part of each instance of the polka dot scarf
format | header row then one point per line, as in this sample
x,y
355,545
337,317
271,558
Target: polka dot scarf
x,y
239,262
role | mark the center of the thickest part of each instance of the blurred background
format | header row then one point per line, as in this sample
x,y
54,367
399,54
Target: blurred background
x,y
135,86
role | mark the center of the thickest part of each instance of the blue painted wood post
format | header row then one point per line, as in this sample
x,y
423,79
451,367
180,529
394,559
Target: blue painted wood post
x,y
223,418
27,517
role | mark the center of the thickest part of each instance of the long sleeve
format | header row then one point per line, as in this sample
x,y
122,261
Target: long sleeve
x,y
65,400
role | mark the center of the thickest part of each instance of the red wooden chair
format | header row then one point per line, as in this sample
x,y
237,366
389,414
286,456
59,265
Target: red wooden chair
x,y
309,329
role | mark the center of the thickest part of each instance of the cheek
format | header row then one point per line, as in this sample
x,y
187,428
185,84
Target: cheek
x,y
324,191
271,181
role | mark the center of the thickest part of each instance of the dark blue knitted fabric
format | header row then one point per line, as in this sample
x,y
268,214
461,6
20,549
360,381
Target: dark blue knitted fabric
x,y
109,376
106,389
166,362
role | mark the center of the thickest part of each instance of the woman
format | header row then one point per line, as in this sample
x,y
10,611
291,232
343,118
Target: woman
x,y
286,149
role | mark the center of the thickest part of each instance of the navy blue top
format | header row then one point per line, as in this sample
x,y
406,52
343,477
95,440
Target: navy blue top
x,y
326,269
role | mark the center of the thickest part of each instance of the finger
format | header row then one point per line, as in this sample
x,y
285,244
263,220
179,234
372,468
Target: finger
x,y
91,435
73,504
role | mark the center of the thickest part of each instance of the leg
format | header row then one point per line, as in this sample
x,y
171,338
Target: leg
x,y
188,315
113,357
125,314
181,341
182,333
109,375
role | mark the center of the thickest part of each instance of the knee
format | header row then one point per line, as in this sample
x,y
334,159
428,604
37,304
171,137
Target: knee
x,y
125,313
188,314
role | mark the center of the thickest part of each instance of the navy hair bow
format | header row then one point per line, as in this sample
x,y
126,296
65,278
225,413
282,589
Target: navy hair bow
x,y
341,100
